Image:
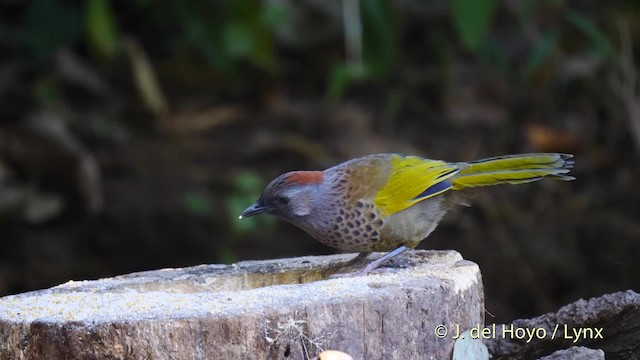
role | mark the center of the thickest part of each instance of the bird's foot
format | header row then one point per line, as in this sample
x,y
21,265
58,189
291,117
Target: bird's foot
x,y
359,260
371,267
345,269
375,264
348,274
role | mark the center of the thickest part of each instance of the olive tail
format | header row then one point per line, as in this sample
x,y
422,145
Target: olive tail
x,y
513,169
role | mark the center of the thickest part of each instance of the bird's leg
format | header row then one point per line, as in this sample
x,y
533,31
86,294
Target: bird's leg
x,y
382,259
372,265
359,259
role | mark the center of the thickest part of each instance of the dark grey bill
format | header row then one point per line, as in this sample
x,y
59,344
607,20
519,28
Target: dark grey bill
x,y
254,209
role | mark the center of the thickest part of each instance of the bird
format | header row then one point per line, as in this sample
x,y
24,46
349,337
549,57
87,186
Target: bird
x,y
391,202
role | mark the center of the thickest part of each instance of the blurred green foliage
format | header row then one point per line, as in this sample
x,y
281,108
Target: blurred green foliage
x,y
224,32
226,255
247,188
598,41
102,28
197,204
472,19
541,52
378,47
227,38
230,31
227,80
229,35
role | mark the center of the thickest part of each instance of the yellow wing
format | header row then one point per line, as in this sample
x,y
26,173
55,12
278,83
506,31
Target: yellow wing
x,y
413,179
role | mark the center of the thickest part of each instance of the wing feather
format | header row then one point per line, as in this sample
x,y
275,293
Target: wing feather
x,y
413,179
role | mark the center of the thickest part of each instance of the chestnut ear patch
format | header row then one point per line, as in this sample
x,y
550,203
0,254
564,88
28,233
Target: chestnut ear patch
x,y
306,177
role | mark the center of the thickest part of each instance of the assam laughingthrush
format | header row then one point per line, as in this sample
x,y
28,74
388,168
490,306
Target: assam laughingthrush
x,y
391,202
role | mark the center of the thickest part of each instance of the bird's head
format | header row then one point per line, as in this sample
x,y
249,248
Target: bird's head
x,y
289,196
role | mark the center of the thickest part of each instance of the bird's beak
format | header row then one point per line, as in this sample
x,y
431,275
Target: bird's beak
x,y
254,209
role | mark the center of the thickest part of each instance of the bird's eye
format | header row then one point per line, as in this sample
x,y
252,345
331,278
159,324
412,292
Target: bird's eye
x,y
283,200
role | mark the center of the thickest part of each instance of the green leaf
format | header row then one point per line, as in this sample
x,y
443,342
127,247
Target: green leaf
x,y
235,206
230,32
146,80
102,28
203,31
247,34
379,48
341,76
249,183
247,189
239,39
472,19
274,15
599,41
541,53
227,255
196,204
338,81
379,37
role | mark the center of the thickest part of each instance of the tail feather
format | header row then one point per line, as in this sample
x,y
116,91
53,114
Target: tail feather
x,y
513,169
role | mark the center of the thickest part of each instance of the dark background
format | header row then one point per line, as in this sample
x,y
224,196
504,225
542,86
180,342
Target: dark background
x,y
133,133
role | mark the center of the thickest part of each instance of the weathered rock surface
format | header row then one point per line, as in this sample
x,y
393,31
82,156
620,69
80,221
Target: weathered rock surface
x,y
610,322
275,309
576,353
